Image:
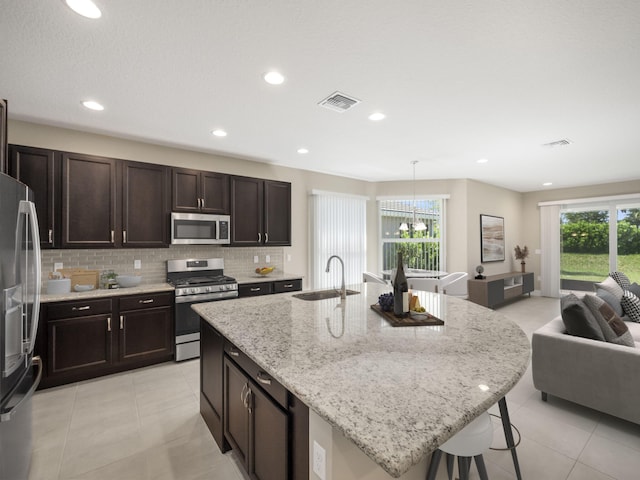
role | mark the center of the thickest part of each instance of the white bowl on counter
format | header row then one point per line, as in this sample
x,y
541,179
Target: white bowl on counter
x,y
126,281
56,286
83,288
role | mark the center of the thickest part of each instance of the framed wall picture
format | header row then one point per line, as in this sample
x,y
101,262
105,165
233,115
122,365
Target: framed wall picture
x,y
491,238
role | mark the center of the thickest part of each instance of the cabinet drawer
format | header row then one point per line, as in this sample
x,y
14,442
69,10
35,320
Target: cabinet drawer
x,y
136,302
253,289
258,375
287,285
79,308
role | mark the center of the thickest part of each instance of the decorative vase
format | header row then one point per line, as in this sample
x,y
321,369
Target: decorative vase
x,y
522,265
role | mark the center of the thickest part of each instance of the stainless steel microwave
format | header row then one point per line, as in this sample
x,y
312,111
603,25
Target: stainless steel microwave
x,y
200,229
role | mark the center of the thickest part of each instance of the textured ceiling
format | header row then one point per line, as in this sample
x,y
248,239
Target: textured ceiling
x,y
458,81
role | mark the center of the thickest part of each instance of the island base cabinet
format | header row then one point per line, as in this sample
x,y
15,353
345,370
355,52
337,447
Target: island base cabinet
x,y
256,427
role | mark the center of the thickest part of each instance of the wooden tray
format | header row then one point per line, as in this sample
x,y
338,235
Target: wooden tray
x,y
408,321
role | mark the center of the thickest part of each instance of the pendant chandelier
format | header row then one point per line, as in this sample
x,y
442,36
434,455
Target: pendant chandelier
x,y
420,225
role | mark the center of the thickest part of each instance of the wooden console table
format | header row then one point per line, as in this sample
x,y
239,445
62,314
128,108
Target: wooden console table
x,y
496,289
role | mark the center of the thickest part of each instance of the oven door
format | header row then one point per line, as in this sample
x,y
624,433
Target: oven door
x,y
187,332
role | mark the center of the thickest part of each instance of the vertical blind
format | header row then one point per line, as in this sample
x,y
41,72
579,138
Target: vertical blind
x,y
338,224
550,243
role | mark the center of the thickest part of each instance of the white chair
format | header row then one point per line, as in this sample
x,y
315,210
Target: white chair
x,y
372,277
454,284
424,284
469,443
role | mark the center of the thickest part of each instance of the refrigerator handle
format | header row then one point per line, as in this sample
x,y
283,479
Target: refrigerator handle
x,y
29,209
6,416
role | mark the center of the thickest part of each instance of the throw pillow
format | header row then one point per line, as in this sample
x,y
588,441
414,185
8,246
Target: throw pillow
x,y
578,319
621,279
612,286
631,306
613,328
611,299
635,289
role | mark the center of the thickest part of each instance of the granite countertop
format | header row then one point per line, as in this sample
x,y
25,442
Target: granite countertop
x,y
99,293
397,393
272,277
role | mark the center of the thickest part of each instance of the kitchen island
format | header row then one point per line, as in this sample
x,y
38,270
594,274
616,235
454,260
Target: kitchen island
x,y
396,393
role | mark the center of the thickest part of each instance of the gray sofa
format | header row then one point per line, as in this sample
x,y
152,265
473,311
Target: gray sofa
x,y
593,373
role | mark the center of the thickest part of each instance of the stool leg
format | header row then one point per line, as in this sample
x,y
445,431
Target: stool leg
x,y
433,465
506,425
482,469
464,466
450,460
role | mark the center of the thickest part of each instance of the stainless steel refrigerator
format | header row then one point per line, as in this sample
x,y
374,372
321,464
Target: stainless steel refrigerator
x,y
20,372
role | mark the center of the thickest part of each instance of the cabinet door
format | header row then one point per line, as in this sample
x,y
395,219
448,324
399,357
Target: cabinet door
x,y
277,213
145,335
236,413
212,381
214,192
79,346
185,195
246,211
145,212
269,438
88,201
39,168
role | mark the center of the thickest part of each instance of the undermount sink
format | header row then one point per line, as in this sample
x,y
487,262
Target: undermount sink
x,y
322,294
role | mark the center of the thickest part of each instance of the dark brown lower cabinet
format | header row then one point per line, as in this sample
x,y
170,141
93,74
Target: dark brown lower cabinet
x,y
245,409
79,340
256,427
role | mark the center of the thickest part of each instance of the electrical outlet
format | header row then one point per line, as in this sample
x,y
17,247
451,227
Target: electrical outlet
x,y
137,264
267,258
319,461
256,259
57,266
288,257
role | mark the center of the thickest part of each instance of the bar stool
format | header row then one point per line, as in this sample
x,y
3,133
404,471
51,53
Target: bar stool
x,y
468,443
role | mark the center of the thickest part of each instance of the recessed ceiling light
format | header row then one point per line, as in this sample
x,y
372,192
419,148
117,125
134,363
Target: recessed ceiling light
x,y
273,78
377,116
302,151
482,160
547,184
91,105
86,8
219,133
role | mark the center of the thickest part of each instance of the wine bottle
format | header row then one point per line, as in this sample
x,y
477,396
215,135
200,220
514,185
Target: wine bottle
x,y
400,291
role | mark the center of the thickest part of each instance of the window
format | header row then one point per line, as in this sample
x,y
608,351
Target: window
x,y
597,239
414,228
339,228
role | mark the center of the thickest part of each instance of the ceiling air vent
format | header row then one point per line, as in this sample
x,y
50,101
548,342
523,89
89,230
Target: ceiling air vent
x,y
339,102
558,143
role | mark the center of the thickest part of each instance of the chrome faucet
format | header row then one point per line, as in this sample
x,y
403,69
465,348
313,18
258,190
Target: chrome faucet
x,y
343,290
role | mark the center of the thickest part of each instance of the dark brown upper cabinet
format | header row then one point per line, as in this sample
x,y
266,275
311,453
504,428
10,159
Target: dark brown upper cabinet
x,y
145,205
260,212
197,191
89,201
39,169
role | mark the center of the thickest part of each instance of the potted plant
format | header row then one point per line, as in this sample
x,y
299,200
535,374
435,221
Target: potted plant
x,y
521,254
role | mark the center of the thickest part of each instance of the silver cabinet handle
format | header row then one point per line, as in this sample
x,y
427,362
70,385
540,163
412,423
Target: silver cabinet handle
x,y
149,300
263,378
202,200
113,236
266,237
108,324
124,236
121,322
242,399
288,285
248,402
259,237
86,307
255,289
50,235
233,353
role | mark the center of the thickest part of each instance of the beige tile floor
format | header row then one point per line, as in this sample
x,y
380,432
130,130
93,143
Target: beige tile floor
x,y
145,424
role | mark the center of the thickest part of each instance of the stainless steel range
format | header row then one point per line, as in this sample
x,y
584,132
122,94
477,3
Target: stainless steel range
x,y
196,281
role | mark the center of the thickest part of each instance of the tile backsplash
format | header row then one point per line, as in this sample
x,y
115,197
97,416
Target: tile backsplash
x,y
237,261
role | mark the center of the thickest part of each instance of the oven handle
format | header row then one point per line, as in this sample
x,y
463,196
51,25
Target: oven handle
x,y
207,297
